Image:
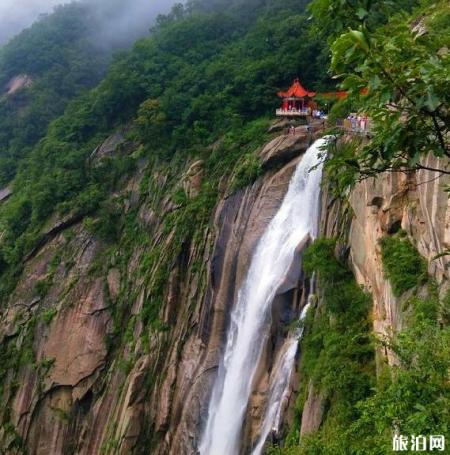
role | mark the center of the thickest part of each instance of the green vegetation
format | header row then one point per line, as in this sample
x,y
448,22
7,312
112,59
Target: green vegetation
x,y
416,396
338,357
9,361
337,350
394,62
61,62
403,266
342,168
42,287
247,171
334,17
48,315
201,87
179,104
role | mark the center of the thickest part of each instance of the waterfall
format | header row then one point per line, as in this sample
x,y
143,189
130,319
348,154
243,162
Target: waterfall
x,y
279,385
295,222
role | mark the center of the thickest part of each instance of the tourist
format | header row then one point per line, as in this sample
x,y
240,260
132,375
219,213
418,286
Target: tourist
x,y
364,122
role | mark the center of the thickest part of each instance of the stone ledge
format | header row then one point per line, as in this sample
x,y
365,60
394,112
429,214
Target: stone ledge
x,y
284,148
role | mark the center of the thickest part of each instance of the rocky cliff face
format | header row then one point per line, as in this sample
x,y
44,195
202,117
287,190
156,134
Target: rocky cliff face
x,y
375,208
18,83
416,203
86,372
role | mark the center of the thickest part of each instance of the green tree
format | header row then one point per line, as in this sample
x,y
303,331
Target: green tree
x,y
399,74
60,61
151,121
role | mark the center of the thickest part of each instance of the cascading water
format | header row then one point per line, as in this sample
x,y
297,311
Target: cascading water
x,y
294,222
279,385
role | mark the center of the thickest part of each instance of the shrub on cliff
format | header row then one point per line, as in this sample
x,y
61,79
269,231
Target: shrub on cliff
x,y
402,264
337,353
394,62
361,414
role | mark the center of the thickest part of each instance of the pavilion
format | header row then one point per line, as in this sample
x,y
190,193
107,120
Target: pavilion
x,y
296,101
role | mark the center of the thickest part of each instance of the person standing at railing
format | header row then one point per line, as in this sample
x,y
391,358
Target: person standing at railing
x,y
363,122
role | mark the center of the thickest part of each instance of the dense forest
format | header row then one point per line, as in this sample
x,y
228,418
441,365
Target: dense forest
x,y
202,85
58,58
201,74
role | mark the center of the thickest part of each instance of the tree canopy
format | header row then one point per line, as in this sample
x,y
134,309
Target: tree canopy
x,y
60,61
397,71
202,73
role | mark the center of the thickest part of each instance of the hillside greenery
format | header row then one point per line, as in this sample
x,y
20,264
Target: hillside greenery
x,y
396,68
402,264
337,358
61,61
197,78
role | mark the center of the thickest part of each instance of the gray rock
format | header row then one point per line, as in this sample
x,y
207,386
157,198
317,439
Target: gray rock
x,y
5,193
283,149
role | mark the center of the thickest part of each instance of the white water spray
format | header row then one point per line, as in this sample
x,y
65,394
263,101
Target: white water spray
x,y
279,385
294,222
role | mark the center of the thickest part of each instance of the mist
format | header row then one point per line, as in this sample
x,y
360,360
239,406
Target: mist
x,y
119,21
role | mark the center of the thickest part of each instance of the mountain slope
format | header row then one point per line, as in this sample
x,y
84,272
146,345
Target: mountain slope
x,y
40,71
200,76
132,222
113,231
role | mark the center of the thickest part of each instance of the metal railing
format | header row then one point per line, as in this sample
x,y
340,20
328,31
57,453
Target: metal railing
x,y
291,113
362,128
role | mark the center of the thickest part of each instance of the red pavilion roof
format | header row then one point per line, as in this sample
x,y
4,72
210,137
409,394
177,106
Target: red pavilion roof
x,y
296,91
339,94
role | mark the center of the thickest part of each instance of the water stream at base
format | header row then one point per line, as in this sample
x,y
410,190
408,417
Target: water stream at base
x,y
279,385
295,221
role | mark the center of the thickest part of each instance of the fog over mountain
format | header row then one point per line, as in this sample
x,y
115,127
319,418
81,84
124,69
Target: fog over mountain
x,y
117,18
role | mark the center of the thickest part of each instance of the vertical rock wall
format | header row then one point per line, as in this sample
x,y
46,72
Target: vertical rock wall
x,y
378,207
74,390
